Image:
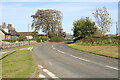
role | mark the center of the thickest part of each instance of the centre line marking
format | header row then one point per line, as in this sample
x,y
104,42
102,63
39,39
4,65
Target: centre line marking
x,y
50,63
112,67
88,60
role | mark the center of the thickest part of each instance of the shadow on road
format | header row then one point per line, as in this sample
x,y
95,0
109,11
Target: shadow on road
x,y
69,42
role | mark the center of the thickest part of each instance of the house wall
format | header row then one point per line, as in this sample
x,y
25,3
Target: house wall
x,y
7,36
29,37
2,35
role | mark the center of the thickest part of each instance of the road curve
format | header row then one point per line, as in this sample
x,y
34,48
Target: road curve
x,y
65,62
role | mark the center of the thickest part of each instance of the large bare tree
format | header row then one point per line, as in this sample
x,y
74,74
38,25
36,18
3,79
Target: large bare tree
x,y
48,20
103,19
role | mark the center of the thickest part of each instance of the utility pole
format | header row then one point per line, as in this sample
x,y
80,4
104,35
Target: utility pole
x,y
116,29
28,35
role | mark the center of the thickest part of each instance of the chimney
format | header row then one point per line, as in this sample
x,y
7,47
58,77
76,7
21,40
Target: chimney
x,y
9,25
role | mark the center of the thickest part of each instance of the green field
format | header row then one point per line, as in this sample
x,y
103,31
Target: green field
x,y
17,64
108,51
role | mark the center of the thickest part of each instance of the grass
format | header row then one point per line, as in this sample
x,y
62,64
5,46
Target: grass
x,y
17,64
107,51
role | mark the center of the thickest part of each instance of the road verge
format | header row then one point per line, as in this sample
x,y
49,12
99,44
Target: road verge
x,y
107,51
17,64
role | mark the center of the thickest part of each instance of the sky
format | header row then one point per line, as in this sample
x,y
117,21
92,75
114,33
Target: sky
x,y
19,13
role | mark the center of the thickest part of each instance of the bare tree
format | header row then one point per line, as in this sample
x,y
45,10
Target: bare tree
x,y
103,20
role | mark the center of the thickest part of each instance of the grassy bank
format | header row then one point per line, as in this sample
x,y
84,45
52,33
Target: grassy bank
x,y
108,51
17,64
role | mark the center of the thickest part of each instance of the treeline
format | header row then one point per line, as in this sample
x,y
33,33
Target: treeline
x,y
87,32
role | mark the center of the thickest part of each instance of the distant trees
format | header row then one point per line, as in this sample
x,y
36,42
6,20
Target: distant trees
x,y
3,25
102,19
83,27
49,21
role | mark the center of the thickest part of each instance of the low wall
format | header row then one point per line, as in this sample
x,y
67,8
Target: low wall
x,y
6,45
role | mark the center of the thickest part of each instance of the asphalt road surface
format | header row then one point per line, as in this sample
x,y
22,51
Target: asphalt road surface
x,y
65,62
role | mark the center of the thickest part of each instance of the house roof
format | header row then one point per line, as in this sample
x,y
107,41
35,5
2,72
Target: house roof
x,y
5,32
25,33
29,34
13,33
11,30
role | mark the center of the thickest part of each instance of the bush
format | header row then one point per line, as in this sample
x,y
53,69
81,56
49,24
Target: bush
x,y
10,40
43,38
56,39
91,41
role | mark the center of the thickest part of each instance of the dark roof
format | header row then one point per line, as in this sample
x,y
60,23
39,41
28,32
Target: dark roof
x,y
29,33
13,33
5,32
11,30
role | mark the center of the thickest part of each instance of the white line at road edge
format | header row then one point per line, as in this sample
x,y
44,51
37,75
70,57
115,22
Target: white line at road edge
x,y
85,59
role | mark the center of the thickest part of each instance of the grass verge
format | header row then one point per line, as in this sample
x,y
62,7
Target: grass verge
x,y
17,64
107,51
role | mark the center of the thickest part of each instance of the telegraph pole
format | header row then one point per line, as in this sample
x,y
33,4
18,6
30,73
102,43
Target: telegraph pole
x,y
116,29
28,35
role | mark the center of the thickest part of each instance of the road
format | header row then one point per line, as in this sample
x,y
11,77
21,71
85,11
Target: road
x,y
65,62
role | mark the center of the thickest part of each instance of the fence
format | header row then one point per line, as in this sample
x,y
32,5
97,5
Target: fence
x,y
6,45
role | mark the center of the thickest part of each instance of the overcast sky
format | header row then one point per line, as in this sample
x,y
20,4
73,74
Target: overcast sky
x,y
18,13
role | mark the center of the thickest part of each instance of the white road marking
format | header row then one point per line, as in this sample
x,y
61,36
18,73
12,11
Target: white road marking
x,y
49,73
52,46
41,76
87,60
50,63
40,66
31,48
84,59
112,67
61,51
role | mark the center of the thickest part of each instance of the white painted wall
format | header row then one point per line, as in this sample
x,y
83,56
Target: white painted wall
x,y
2,35
6,30
29,37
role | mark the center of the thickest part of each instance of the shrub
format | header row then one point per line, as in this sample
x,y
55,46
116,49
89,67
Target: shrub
x,y
10,40
98,41
56,39
43,38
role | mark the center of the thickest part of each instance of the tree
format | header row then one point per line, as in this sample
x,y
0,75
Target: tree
x,y
83,27
48,20
103,20
3,25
